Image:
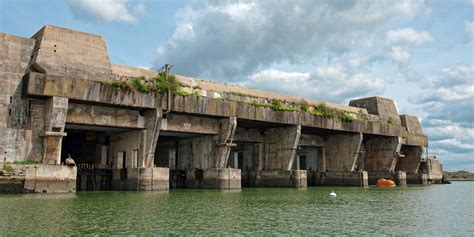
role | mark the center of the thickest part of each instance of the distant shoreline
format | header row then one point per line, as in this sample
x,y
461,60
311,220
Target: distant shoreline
x,y
458,176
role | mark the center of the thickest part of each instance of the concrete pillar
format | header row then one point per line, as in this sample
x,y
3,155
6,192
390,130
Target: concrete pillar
x,y
280,148
342,153
54,123
225,141
410,163
151,134
382,154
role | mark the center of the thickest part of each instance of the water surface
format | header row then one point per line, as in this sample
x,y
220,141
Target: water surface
x,y
414,210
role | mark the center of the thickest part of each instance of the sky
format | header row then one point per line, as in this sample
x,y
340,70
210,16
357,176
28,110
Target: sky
x,y
419,53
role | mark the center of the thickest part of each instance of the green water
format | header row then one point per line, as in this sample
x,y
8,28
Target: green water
x,y
415,210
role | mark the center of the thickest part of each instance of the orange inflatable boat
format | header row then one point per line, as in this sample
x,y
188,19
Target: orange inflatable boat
x,y
385,183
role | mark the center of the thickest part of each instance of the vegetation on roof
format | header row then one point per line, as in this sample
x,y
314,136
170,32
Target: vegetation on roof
x,y
161,83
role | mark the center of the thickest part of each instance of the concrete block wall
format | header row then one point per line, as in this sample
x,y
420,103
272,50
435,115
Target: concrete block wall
x,y
127,142
51,179
412,160
281,146
381,154
342,152
15,54
382,107
71,53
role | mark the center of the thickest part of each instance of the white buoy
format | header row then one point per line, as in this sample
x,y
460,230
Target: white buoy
x,y
332,194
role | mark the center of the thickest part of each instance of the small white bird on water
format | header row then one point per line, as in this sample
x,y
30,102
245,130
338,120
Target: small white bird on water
x,y
332,194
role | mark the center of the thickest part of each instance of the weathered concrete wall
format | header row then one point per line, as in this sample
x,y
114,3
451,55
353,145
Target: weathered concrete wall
x,y
343,178
412,160
51,179
55,122
71,53
129,142
104,116
281,145
15,54
190,124
225,178
383,107
435,170
147,179
411,123
381,154
282,178
342,152
86,90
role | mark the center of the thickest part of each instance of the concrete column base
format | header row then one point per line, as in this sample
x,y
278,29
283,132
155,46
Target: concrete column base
x,y
399,177
283,178
225,178
424,179
343,178
141,179
45,178
417,178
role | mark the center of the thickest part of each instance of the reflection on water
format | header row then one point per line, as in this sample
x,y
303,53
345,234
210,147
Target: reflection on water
x,y
427,210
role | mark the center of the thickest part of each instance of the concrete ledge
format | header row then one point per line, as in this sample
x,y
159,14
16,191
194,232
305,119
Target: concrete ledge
x,y
226,178
51,179
344,178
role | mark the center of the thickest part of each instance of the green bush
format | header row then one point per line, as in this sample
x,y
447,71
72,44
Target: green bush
x,y
140,84
278,105
347,118
165,83
183,93
8,168
320,110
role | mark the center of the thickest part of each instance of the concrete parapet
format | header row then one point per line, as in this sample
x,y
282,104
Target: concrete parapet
x,y
343,178
51,179
226,178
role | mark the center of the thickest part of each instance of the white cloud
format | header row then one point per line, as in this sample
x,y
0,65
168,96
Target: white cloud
x,y
400,55
233,39
408,35
448,99
469,28
106,10
331,83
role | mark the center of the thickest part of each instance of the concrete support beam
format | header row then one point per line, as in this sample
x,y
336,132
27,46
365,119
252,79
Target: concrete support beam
x,y
152,132
225,141
55,121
